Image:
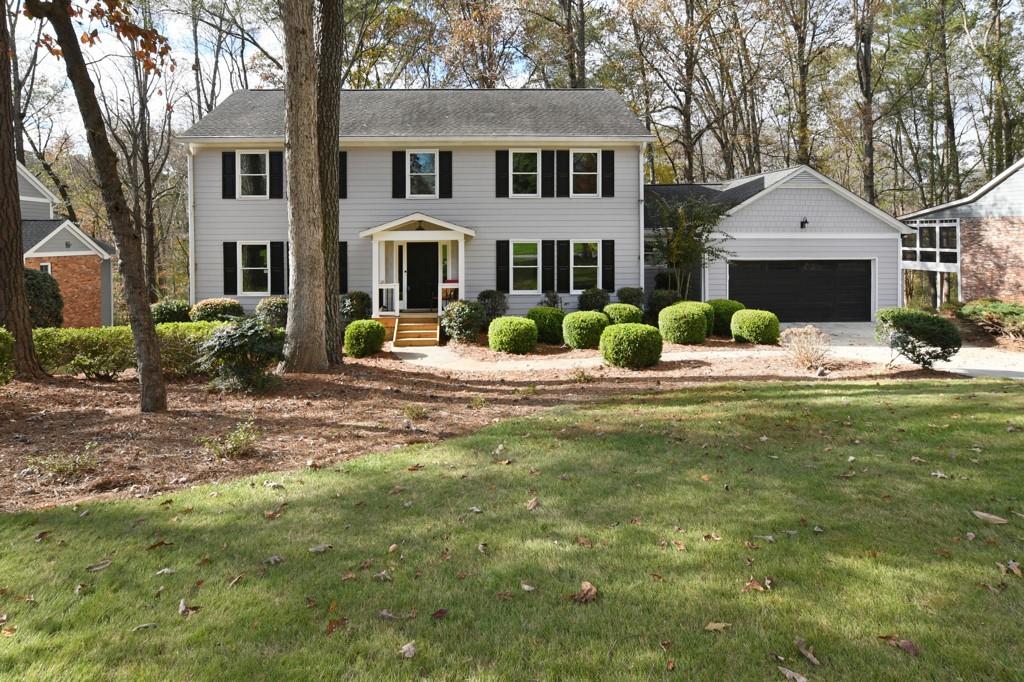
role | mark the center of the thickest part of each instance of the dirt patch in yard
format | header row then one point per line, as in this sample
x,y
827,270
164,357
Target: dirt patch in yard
x,y
68,439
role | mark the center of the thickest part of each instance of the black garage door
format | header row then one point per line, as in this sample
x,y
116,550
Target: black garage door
x,y
804,290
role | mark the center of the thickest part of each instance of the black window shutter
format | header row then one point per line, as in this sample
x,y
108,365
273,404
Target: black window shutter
x,y
564,263
444,189
547,265
227,175
343,267
547,173
231,268
277,268
608,265
608,173
277,175
501,266
343,175
398,175
501,173
562,184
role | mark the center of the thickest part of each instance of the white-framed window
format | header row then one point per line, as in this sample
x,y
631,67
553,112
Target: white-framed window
x,y
44,267
421,175
586,265
585,172
933,241
254,268
253,174
524,173
525,267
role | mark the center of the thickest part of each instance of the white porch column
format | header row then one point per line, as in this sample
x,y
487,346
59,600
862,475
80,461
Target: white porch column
x,y
375,275
462,267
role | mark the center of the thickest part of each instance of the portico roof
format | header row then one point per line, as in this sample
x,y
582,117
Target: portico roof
x,y
414,221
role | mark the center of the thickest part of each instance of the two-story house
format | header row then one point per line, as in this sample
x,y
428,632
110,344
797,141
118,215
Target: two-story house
x,y
82,265
443,194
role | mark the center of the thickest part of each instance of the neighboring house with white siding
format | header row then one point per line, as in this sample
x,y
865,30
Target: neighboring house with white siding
x,y
443,194
800,245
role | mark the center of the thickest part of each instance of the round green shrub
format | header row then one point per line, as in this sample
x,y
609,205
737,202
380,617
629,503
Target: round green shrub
x,y
631,295
593,299
6,356
216,310
170,310
495,304
512,335
45,304
724,310
549,323
364,337
660,299
583,329
706,310
623,313
683,324
181,346
631,345
273,310
356,305
462,321
755,326
919,336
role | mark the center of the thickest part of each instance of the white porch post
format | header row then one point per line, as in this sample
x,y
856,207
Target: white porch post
x,y
462,267
375,268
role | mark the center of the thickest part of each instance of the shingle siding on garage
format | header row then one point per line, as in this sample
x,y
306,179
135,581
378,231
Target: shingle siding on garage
x,y
473,205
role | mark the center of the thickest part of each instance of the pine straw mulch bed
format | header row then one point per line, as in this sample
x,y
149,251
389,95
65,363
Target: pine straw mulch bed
x,y
68,439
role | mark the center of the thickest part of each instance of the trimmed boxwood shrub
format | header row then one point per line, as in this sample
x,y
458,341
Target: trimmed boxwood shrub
x,y
181,346
921,337
273,310
462,321
495,304
240,355
549,323
593,299
170,310
724,309
631,295
706,310
364,337
631,345
512,335
45,304
623,313
683,324
356,305
216,310
755,326
6,356
660,299
583,329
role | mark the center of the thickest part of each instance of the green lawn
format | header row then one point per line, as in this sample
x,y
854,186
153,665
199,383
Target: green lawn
x,y
731,461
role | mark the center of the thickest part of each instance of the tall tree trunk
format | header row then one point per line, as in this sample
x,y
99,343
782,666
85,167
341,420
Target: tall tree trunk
x,y
13,304
329,75
863,32
305,347
153,394
949,122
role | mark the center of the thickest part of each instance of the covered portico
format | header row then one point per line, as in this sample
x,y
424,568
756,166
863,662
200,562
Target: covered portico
x,y
418,264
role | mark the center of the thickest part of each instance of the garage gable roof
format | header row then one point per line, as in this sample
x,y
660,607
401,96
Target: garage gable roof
x,y
971,198
35,233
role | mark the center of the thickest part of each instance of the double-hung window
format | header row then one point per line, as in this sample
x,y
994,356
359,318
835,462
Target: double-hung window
x,y
586,167
44,267
524,175
253,175
586,264
525,267
422,173
254,270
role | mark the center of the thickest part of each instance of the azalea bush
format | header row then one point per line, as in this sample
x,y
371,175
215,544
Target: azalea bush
x,y
462,321
241,355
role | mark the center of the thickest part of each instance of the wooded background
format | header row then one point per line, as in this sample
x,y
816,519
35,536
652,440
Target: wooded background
x,y
909,103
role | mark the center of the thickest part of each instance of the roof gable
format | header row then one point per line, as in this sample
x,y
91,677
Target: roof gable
x,y
973,197
29,186
35,234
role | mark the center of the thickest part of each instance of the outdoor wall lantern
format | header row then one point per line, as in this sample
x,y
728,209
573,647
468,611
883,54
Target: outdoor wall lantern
x,y
804,223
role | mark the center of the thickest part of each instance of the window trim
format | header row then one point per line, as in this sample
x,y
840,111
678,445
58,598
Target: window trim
x,y
241,268
408,173
511,266
512,173
238,173
47,268
572,263
573,194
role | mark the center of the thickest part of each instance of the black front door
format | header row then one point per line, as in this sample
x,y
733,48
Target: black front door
x,y
421,276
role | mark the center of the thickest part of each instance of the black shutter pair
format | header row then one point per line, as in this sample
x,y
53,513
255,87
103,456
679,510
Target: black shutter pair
x,y
564,173
502,274
275,173
278,259
564,261
399,171
343,175
501,173
555,264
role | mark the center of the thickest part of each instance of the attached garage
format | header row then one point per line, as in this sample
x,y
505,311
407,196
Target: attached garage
x,y
804,290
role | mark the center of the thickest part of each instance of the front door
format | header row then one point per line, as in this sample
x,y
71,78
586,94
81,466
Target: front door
x,y
421,276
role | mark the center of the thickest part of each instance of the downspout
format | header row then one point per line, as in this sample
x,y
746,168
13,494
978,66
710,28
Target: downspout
x,y
640,209
191,227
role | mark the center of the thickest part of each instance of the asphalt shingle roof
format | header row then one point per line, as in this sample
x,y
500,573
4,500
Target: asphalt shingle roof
x,y
436,113
728,193
35,231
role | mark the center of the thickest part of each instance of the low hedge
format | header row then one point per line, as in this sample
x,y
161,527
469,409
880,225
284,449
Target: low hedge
x,y
364,337
706,310
755,326
919,336
996,317
631,295
660,299
549,323
683,324
593,299
216,310
631,345
273,310
170,310
623,313
724,309
583,329
512,335
181,346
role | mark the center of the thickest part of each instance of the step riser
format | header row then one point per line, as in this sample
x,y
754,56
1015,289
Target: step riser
x,y
415,331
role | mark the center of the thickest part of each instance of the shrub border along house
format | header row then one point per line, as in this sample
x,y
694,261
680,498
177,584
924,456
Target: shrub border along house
x,y
683,324
216,310
755,326
583,328
549,323
631,345
623,313
724,309
516,335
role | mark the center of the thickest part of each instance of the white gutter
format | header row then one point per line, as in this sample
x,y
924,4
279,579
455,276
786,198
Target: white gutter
x,y
640,210
191,227
589,140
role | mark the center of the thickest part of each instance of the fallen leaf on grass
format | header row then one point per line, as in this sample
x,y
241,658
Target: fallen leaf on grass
x,y
275,512
532,503
717,627
751,545
1013,567
504,596
939,475
383,576
99,566
807,651
917,460
42,535
792,675
310,602
348,575
991,518
144,626
586,595
334,624
904,644
414,467
527,587
9,631
237,579
408,650
186,610
994,589
476,510
274,560
158,544
439,614
584,542
165,571
712,537
767,538
665,644
755,585
679,545
657,577
392,548
320,549
671,665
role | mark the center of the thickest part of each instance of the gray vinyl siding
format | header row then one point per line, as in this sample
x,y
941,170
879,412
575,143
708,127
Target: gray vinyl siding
x,y
1005,200
473,206
64,241
34,210
26,188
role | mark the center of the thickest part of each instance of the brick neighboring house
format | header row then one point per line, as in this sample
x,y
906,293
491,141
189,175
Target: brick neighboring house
x,y
979,238
82,266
